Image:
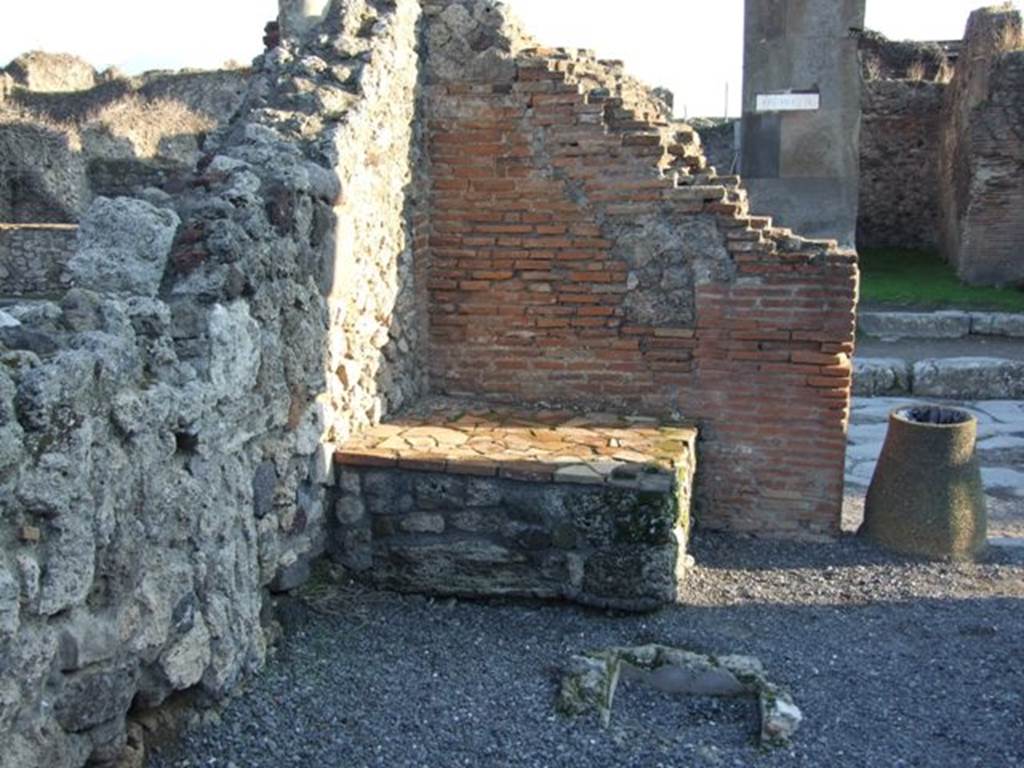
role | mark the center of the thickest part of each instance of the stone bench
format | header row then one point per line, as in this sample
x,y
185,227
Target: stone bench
x,y
471,499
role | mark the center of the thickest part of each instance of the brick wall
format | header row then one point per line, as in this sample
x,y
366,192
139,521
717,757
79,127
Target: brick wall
x,y
566,267
899,164
982,188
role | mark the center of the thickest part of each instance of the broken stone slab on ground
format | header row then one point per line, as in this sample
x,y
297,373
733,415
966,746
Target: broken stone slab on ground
x,y
589,683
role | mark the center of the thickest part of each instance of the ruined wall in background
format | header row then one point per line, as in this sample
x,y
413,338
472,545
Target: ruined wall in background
x,y
59,150
899,164
166,425
718,138
903,103
567,266
982,153
34,259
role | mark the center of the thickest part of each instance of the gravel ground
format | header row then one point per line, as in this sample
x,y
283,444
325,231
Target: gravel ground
x,y
894,663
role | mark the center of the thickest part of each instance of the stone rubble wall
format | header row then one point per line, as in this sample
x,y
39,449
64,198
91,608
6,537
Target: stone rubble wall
x,y
166,426
41,178
58,151
34,258
885,59
583,255
982,188
447,534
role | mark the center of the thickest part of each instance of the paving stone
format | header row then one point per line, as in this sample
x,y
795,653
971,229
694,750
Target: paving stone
x,y
1006,411
1003,479
864,451
1010,546
1001,443
868,433
861,473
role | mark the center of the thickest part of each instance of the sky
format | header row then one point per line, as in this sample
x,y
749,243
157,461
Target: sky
x,y
692,47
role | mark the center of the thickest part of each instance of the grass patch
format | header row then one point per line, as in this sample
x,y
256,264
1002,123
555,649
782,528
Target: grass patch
x,y
921,279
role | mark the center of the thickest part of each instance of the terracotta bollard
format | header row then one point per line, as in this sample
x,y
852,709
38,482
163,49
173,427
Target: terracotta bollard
x,y
926,496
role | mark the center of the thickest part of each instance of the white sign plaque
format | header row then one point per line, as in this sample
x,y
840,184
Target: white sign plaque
x,y
788,102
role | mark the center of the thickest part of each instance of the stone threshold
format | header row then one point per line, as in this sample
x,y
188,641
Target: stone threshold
x,y
948,324
957,378
443,434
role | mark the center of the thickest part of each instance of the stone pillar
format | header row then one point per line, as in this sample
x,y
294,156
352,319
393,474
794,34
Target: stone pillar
x,y
298,17
800,155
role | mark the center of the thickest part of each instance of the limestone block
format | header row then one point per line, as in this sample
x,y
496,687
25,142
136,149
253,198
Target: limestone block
x,y
997,324
185,661
123,245
970,378
235,349
915,325
87,640
96,695
70,564
877,377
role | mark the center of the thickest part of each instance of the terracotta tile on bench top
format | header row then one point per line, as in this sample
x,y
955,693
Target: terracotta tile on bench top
x,y
447,434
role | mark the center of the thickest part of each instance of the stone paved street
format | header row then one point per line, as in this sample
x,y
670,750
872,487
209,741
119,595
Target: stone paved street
x,y
1000,446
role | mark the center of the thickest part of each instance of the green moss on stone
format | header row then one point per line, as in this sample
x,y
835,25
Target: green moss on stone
x,y
643,517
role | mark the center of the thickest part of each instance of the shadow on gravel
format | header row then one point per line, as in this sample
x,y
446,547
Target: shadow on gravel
x,y
893,662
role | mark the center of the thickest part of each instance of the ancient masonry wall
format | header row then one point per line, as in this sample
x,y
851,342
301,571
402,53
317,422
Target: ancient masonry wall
x,y
166,426
34,258
899,164
566,268
941,148
903,102
982,188
58,151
